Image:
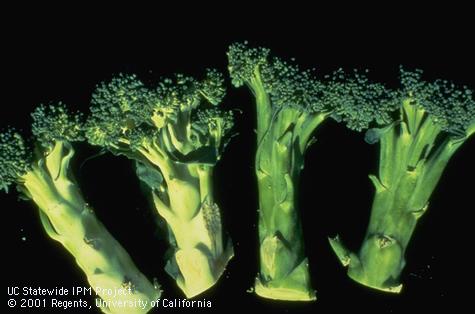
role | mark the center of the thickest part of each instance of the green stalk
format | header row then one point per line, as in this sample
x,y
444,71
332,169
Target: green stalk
x,y
284,272
410,168
200,250
68,219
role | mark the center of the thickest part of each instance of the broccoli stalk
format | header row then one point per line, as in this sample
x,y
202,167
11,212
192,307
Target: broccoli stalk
x,y
434,120
46,179
175,145
289,109
283,134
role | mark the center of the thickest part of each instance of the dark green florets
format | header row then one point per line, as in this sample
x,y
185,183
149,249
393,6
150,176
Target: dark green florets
x,y
289,86
243,61
211,129
212,87
285,83
181,92
15,157
358,102
122,94
350,98
141,136
452,108
184,93
117,107
127,115
56,123
210,121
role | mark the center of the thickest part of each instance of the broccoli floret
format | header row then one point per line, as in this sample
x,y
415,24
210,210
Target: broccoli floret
x,y
212,87
214,125
46,178
176,134
55,123
432,120
358,102
14,159
450,107
53,128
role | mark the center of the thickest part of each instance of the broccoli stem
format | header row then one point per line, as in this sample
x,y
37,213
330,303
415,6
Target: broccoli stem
x,y
200,252
263,103
284,272
392,223
394,217
410,167
68,219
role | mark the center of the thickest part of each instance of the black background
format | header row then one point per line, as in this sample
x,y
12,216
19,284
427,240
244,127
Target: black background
x,y
61,57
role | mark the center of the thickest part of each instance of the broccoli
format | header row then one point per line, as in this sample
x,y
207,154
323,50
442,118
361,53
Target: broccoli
x,y
430,121
175,134
45,177
291,104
